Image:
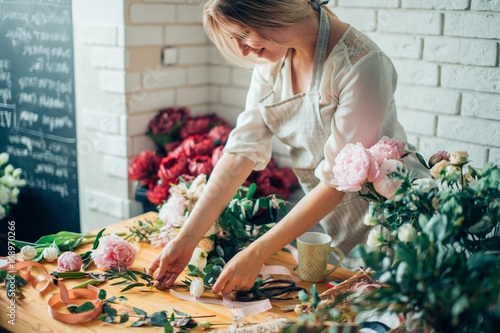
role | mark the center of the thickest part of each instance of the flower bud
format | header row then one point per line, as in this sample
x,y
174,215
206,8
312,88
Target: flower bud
x,y
199,258
407,233
8,169
206,244
438,157
50,254
196,288
17,173
374,238
29,252
459,158
204,324
369,220
438,168
4,158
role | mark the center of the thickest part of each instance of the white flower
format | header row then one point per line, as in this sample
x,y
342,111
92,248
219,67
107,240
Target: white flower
x,y
17,173
374,238
459,157
206,244
9,181
407,233
4,158
213,230
199,258
237,321
4,195
173,211
29,252
425,184
8,169
196,187
13,195
50,254
412,206
196,288
369,220
3,212
452,173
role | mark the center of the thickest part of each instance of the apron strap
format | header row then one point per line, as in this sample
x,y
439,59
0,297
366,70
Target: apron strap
x,y
321,48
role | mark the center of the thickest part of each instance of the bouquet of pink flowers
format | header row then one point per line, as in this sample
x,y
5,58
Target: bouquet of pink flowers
x,y
189,146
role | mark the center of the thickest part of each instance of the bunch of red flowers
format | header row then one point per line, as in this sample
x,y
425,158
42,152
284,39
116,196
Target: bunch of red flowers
x,y
192,145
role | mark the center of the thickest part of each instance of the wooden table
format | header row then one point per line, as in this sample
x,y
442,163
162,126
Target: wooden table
x,y
32,315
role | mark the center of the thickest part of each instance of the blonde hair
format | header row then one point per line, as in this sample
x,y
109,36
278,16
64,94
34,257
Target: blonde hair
x,y
249,15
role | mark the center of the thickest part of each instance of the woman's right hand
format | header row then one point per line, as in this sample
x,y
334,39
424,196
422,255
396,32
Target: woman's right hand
x,y
170,262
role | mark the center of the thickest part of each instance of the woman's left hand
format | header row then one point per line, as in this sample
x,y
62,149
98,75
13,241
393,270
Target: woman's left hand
x,y
239,273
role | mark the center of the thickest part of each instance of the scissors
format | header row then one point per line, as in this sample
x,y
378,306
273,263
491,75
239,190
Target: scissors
x,y
271,292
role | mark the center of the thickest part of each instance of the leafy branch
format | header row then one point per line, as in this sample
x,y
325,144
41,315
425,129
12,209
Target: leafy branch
x,y
130,278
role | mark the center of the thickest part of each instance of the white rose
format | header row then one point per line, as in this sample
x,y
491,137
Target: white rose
x,y
369,220
407,233
213,230
196,288
3,212
4,158
425,184
459,157
374,238
50,254
29,252
452,173
4,195
206,244
13,195
199,258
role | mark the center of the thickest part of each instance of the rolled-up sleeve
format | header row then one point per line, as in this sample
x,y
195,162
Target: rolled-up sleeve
x,y
251,137
365,109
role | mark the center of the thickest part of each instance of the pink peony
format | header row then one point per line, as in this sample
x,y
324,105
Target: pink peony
x,y
113,251
220,133
216,155
387,149
385,184
353,166
69,262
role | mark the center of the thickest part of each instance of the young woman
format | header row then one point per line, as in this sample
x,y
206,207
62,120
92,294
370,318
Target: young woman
x,y
318,85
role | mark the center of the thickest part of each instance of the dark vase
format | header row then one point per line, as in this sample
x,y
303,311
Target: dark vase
x,y
141,196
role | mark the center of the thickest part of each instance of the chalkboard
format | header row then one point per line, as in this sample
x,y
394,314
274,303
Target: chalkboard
x,y
37,113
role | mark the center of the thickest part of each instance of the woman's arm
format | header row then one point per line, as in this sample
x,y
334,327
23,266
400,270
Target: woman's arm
x,y
228,175
241,271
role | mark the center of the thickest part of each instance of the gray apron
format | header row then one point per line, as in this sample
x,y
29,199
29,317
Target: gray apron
x,y
298,123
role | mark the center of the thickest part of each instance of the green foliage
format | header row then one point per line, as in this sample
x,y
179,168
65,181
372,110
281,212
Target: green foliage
x,y
447,276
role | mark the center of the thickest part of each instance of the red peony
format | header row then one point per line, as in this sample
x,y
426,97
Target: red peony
x,y
167,120
220,133
201,164
292,178
193,126
171,146
198,145
273,182
172,167
216,155
144,167
158,193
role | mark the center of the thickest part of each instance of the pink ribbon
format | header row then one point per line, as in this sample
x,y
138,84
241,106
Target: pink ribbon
x,y
245,308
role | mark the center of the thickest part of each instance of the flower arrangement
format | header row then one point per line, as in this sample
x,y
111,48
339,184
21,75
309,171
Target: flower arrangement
x,y
231,233
189,146
10,182
435,240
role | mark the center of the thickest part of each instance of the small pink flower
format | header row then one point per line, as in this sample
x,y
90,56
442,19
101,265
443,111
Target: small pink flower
x,y
438,157
387,149
353,166
220,133
69,262
216,155
113,251
385,184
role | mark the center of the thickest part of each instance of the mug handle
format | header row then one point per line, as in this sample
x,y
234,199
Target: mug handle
x,y
341,258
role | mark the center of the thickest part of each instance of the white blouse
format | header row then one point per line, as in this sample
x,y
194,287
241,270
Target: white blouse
x,y
356,99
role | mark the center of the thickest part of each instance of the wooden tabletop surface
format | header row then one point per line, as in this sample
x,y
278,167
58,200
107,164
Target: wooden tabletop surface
x,y
32,316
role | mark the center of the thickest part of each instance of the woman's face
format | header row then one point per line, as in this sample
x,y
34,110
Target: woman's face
x,y
269,44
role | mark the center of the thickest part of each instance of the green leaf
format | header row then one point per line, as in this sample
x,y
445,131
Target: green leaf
x,y
132,286
84,267
159,319
102,294
206,279
216,271
180,313
87,306
123,299
138,323
139,312
208,268
3,274
109,319
168,328
251,191
129,273
315,297
60,235
124,317
112,299
110,311
303,296
96,241
218,261
422,160
219,251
